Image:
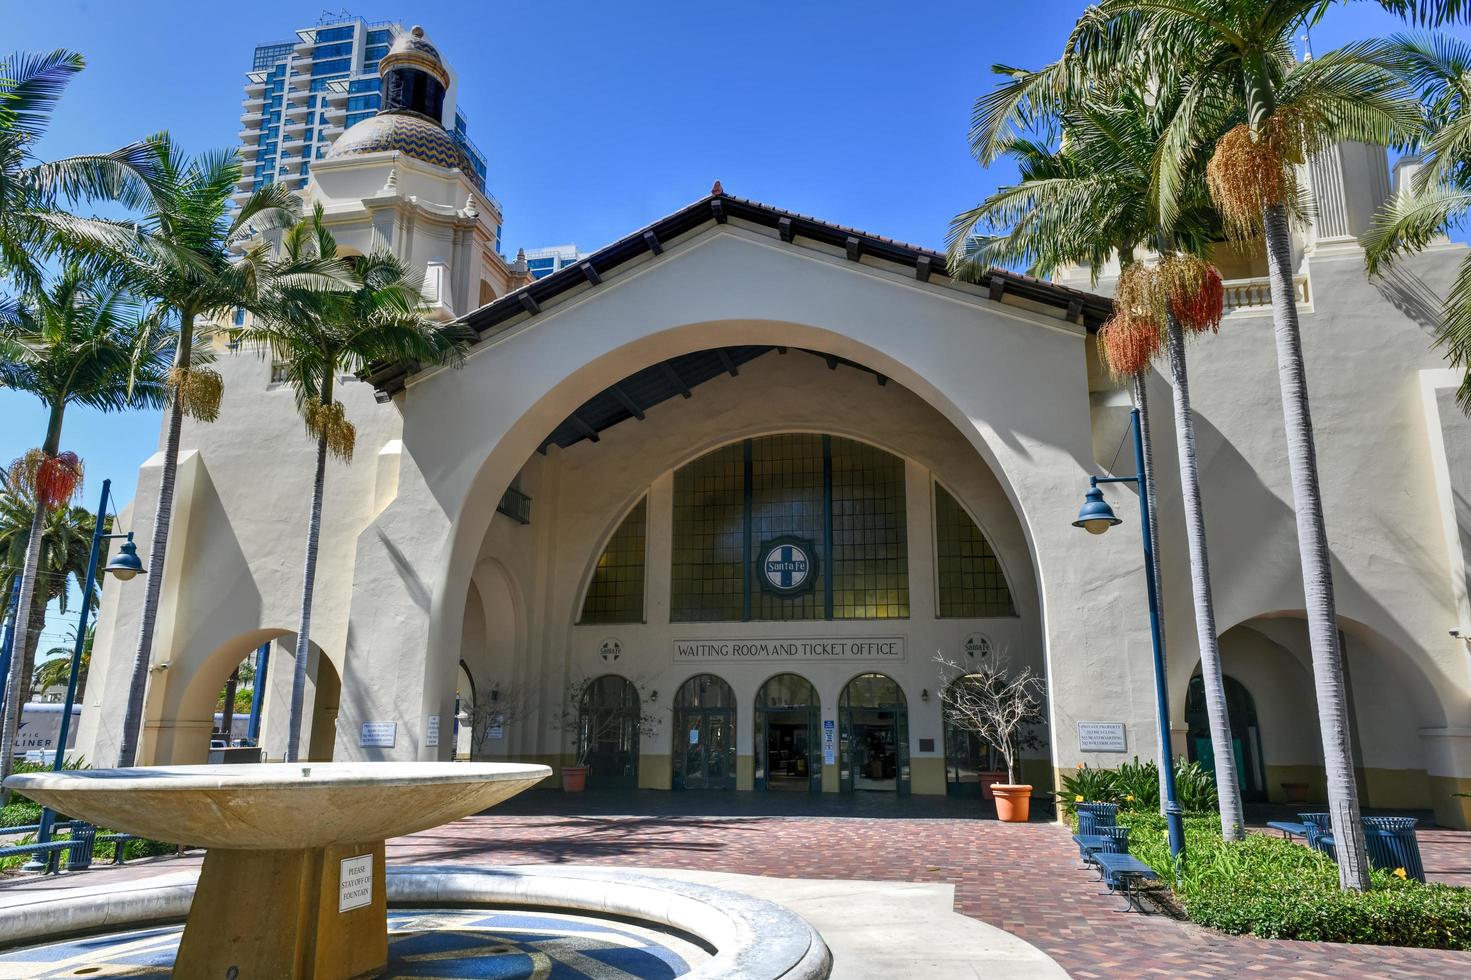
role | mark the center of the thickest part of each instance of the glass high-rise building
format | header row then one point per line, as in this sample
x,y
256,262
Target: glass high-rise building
x,y
300,95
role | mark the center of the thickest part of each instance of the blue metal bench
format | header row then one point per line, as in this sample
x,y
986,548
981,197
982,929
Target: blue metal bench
x,y
1110,840
1288,828
78,846
1124,875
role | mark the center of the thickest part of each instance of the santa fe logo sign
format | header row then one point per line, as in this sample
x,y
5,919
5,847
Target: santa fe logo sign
x,y
787,566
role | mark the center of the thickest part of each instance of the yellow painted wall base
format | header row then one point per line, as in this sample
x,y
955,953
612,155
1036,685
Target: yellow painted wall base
x,y
830,781
927,776
655,772
1451,811
745,772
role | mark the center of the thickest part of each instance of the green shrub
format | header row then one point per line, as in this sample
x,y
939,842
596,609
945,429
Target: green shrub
x,y
1277,889
1134,786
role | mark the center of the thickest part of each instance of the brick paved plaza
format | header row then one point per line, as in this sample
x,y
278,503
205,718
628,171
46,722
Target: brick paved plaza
x,y
1022,878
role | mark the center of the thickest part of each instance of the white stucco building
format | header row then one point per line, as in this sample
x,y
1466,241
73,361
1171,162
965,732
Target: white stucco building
x,y
754,470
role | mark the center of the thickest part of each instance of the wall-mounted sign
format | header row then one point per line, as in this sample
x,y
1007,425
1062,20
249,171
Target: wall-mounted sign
x,y
787,565
694,736
829,743
378,734
497,727
1101,736
848,648
431,737
977,646
610,650
355,883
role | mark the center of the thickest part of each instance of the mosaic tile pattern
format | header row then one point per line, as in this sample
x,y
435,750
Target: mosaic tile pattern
x,y
438,943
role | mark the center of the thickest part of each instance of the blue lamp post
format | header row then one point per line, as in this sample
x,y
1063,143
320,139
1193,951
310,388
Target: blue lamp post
x,y
1096,517
123,566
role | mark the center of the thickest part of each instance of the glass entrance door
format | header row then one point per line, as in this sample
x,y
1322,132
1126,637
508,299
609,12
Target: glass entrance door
x,y
704,726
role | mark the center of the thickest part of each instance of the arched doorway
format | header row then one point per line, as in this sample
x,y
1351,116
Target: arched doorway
x,y
873,742
704,734
1246,735
970,763
788,745
608,722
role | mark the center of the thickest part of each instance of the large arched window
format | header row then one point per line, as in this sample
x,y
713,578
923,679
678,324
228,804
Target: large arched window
x,y
969,579
790,527
616,592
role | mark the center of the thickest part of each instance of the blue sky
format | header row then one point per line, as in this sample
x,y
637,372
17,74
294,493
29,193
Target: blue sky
x,y
596,118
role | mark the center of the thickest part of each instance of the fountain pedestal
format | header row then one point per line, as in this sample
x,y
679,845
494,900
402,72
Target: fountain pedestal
x,y
293,881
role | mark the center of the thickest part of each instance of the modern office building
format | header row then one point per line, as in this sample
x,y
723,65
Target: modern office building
x,y
704,504
302,94
542,262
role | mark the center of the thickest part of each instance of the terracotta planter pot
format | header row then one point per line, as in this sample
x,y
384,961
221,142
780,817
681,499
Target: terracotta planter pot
x,y
989,779
1296,792
574,779
1013,803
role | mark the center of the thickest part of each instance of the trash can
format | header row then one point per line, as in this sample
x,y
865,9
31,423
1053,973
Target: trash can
x,y
1323,821
1117,840
79,855
1392,844
1092,817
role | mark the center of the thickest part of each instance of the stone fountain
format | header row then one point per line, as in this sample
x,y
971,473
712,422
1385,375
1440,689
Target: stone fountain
x,y
294,885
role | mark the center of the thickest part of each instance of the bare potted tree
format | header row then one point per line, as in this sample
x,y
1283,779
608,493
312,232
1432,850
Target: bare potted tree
x,y
1002,710
591,725
488,718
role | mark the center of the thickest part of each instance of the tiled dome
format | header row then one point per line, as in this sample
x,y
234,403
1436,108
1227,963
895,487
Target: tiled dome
x,y
408,133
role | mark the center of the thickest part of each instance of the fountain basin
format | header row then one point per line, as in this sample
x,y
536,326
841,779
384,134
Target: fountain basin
x,y
278,806
293,881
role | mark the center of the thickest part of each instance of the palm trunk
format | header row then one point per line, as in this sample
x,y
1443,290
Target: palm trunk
x,y
1228,791
158,551
1141,400
26,634
1317,572
303,635
22,641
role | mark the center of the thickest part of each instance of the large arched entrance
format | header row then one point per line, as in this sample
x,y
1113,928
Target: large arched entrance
x,y
971,764
787,738
1246,735
704,734
873,743
608,727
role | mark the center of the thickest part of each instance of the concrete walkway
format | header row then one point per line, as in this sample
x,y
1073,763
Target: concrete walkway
x,y
879,930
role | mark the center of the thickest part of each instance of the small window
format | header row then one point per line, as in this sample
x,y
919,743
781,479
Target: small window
x,y
971,581
616,593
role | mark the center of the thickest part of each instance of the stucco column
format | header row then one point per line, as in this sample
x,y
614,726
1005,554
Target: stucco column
x,y
392,676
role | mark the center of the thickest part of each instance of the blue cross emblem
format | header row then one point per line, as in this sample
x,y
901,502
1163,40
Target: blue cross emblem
x,y
786,567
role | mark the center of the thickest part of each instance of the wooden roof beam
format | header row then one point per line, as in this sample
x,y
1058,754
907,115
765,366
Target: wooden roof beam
x,y
672,373
627,402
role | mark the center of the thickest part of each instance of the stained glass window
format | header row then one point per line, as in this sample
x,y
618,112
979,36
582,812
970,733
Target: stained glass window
x,y
970,580
730,503
870,540
787,500
616,593
707,580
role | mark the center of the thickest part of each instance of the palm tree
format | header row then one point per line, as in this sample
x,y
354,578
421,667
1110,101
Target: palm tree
x,y
1086,192
1438,68
1230,53
78,342
55,669
65,548
32,223
209,259
317,335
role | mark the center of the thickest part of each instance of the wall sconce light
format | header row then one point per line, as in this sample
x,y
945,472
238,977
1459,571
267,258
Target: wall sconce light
x,y
653,697
495,692
925,695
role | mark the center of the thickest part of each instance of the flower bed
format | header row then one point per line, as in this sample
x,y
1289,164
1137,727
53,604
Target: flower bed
x,y
1274,888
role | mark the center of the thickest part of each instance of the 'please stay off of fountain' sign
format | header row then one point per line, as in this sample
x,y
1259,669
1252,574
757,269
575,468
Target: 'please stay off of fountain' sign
x,y
355,883
881,649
